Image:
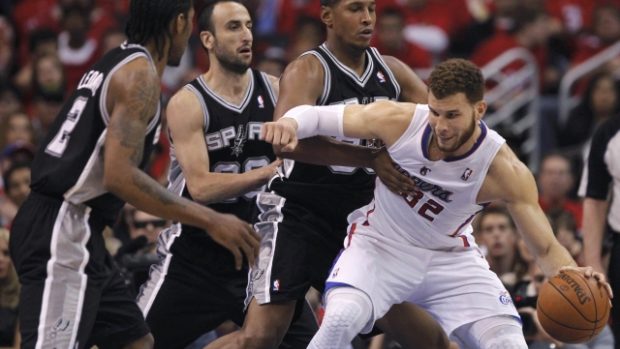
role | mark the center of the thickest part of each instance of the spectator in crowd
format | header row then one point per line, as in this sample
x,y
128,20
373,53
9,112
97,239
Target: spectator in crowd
x,y
565,229
529,30
16,128
497,234
390,40
9,99
48,76
432,24
17,182
605,32
77,51
555,183
138,253
7,47
9,296
42,42
600,101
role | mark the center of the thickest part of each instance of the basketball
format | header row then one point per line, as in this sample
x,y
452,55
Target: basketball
x,y
571,308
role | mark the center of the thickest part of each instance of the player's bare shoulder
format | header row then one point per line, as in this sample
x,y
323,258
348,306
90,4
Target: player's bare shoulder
x,y
135,87
275,83
307,71
508,178
185,110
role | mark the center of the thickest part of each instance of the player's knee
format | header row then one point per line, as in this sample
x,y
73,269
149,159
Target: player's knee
x,y
347,307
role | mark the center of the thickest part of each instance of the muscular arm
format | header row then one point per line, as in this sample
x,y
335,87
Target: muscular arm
x,y
413,89
186,124
510,181
386,120
302,83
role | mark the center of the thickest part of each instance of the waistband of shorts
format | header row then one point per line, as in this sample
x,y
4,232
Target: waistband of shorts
x,y
54,200
45,197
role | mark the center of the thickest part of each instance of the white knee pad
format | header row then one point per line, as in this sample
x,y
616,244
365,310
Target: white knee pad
x,y
496,332
348,312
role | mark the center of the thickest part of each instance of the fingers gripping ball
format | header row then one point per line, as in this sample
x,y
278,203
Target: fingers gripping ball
x,y
571,308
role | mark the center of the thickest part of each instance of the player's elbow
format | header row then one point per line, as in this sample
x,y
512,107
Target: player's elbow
x,y
114,177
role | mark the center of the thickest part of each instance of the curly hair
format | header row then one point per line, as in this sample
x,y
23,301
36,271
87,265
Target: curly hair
x,y
457,75
9,286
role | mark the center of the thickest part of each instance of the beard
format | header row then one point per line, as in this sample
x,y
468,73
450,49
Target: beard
x,y
462,139
231,63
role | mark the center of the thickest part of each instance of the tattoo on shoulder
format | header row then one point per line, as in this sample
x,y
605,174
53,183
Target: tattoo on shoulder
x,y
141,103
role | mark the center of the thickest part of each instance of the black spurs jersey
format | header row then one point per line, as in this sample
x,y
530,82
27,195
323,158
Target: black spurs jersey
x,y
342,85
232,137
69,163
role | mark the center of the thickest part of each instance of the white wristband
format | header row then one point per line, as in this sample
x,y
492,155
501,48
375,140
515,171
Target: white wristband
x,y
324,120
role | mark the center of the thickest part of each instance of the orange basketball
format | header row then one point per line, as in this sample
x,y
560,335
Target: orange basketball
x,y
571,308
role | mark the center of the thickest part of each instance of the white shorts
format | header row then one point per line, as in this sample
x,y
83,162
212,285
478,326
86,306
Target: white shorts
x,y
455,287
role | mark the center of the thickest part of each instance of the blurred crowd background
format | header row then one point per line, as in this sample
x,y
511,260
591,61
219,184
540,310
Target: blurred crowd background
x,y
552,69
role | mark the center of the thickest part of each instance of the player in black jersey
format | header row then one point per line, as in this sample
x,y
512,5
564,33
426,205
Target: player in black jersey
x,y
218,160
303,231
90,163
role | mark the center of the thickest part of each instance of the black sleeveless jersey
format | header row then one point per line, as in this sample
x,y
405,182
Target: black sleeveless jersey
x,y
232,137
69,163
346,187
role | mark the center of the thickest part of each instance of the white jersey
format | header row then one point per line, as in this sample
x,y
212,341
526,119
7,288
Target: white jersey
x,y
439,215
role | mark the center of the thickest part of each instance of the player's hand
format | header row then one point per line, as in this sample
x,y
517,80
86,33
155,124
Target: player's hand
x,y
237,236
281,133
589,272
390,176
267,172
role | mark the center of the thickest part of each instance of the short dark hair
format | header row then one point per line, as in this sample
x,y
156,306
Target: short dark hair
x,y
457,75
150,20
205,16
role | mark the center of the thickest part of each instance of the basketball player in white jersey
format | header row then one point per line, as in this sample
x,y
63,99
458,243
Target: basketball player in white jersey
x,y
419,247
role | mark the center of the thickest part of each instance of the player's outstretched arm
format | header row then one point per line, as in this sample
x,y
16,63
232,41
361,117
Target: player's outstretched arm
x,y
385,120
186,124
133,97
510,181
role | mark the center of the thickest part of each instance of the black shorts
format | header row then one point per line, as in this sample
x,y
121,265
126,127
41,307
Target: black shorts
x,y
72,295
297,250
195,287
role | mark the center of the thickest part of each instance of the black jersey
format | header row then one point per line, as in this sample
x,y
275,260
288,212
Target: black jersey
x,y
340,185
69,164
232,137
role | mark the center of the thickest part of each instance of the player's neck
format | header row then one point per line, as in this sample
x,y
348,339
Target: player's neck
x,y
226,83
352,57
437,154
159,61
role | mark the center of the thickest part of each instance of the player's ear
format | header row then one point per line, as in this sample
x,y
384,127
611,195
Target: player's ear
x,y
481,108
207,39
181,22
327,16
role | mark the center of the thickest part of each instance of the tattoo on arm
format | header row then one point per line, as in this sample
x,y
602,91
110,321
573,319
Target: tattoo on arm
x,y
150,187
141,104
